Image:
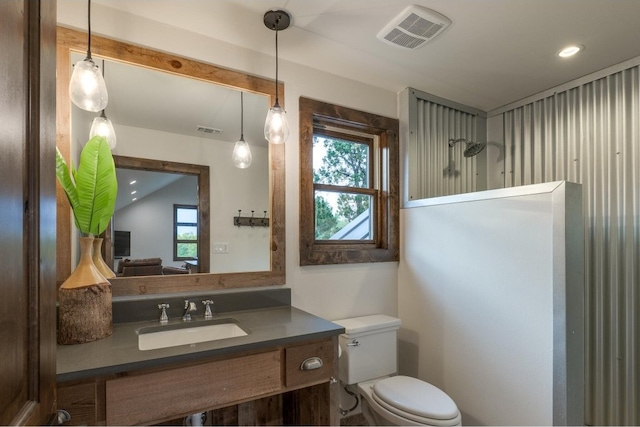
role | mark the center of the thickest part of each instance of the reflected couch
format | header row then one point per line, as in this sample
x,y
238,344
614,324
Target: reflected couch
x,y
146,267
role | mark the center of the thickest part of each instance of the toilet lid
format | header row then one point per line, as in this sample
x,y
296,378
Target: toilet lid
x,y
416,397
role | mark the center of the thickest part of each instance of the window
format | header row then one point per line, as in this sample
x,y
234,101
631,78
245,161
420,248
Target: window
x,y
349,185
185,232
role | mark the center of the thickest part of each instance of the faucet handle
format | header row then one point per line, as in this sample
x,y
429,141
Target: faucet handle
x,y
163,316
207,308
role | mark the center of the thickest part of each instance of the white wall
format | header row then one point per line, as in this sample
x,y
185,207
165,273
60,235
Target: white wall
x,y
150,221
491,302
329,291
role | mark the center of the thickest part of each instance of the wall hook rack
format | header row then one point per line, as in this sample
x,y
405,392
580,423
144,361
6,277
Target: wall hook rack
x,y
250,221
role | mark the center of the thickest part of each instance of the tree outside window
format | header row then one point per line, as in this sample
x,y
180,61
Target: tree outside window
x,y
342,169
185,232
349,185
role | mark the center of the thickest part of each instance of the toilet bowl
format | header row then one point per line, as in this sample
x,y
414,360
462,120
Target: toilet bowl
x,y
369,359
407,401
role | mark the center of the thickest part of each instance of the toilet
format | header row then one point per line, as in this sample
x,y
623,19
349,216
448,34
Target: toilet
x,y
368,358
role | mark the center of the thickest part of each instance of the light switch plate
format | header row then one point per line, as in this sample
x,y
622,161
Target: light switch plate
x,y
220,247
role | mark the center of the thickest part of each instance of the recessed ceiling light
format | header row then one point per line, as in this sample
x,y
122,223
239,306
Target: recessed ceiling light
x,y
134,199
134,192
133,182
570,51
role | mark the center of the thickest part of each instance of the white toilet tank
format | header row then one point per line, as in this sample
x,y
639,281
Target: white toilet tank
x,y
369,347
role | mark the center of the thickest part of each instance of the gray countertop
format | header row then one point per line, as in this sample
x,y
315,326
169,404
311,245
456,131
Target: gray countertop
x,y
118,353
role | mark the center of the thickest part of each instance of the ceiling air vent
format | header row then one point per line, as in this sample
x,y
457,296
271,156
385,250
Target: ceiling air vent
x,y
414,27
209,130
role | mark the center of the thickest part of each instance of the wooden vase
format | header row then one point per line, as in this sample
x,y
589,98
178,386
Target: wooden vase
x,y
98,261
84,302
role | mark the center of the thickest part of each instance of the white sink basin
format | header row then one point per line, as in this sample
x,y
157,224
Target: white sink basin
x,y
154,337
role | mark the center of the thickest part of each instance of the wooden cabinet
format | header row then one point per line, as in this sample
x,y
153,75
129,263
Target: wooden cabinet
x,y
268,387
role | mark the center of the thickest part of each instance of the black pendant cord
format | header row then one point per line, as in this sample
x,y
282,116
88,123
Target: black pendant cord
x,y
88,30
277,104
241,117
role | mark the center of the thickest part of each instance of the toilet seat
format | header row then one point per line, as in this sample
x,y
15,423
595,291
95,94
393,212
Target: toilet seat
x,y
416,400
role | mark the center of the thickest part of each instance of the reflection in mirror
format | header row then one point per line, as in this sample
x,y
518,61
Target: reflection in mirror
x,y
150,195
168,118
171,110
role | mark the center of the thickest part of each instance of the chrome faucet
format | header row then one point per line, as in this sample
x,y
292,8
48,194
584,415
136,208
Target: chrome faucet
x,y
164,319
189,306
207,309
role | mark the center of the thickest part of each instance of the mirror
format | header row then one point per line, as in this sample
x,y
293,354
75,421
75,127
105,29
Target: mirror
x,y
150,192
241,274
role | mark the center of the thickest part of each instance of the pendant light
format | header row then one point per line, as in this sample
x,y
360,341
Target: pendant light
x,y
102,126
276,128
241,152
86,88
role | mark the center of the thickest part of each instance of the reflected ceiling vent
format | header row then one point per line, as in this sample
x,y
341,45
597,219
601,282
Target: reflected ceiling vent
x,y
208,130
414,27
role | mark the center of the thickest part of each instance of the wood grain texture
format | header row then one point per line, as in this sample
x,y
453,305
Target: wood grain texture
x,y
294,356
27,212
80,400
387,221
307,406
153,397
282,405
71,40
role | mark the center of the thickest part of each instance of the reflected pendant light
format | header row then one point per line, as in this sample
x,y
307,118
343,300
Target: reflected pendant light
x,y
102,126
241,152
276,128
86,88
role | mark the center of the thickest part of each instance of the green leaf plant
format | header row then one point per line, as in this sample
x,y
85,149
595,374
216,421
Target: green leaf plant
x,y
92,188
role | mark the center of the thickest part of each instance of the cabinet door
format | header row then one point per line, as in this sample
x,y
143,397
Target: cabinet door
x,y
27,211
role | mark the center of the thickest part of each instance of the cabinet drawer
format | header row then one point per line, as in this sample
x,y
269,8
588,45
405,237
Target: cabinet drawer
x,y
161,395
295,375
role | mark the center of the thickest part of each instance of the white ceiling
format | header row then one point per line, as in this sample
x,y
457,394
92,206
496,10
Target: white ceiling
x,y
494,53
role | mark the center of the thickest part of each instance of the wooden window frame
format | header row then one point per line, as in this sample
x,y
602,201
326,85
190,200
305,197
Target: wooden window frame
x,y
176,224
385,245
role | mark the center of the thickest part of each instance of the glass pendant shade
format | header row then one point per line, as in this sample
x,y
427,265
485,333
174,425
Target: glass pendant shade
x,y
87,89
103,127
241,154
276,128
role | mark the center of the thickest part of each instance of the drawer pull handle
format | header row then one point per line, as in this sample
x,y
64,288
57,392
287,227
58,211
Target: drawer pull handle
x,y
354,343
311,363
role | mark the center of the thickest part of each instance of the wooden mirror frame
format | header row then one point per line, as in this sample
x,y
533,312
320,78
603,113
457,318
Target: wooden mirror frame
x,y
201,173
76,41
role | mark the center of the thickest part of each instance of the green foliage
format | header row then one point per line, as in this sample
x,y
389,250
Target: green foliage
x,y
345,163
92,188
326,222
187,250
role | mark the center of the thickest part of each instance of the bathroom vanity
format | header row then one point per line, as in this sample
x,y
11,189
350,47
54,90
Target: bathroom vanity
x,y
283,372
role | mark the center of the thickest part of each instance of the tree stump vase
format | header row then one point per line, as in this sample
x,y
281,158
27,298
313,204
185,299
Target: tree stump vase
x,y
84,302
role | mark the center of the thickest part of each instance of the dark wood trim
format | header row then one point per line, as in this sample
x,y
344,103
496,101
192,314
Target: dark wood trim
x,y
71,40
202,174
387,221
27,168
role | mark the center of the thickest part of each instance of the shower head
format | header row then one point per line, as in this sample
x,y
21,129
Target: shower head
x,y
472,148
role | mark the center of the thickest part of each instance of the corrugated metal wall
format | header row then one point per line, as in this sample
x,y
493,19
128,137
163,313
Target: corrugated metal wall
x,y
438,169
591,135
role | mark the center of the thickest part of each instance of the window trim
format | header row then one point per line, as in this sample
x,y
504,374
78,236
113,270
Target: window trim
x,y
176,224
386,222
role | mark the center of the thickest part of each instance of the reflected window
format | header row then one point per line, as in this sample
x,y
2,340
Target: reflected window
x,y
185,232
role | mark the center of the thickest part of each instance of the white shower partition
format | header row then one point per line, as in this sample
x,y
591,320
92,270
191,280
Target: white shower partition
x,y
491,299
